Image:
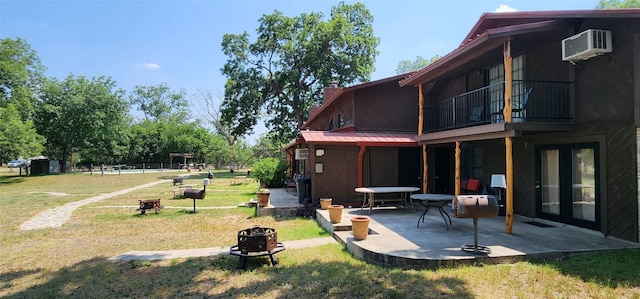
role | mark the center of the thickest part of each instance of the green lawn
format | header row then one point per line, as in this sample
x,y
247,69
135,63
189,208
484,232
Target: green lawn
x,y
71,261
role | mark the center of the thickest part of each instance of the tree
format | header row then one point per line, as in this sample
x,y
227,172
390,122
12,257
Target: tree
x,y
18,138
21,75
406,66
617,4
78,114
160,102
285,69
211,112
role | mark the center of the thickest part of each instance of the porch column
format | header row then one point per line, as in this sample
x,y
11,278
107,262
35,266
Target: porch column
x,y
507,140
457,171
360,155
425,165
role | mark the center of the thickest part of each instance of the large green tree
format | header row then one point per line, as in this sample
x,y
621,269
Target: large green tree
x,y
283,71
18,138
160,102
616,4
406,66
21,75
78,114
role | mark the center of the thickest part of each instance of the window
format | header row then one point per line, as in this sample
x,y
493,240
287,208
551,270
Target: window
x,y
496,91
331,124
340,120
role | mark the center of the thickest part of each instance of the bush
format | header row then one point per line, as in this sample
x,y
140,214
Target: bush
x,y
269,172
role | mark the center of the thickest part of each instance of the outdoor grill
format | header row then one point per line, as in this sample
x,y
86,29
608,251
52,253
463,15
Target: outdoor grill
x,y
194,193
255,242
475,206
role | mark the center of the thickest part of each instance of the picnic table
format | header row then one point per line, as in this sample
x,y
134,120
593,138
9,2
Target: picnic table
x,y
239,179
370,192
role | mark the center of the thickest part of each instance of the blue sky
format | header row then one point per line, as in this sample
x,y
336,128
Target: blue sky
x,y
178,42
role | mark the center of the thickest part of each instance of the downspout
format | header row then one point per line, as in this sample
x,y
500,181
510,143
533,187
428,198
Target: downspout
x,y
360,170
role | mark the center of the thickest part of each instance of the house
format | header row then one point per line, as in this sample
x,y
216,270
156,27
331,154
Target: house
x,y
550,99
362,135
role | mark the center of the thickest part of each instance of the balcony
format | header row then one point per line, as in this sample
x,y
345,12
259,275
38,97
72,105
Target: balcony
x,y
532,102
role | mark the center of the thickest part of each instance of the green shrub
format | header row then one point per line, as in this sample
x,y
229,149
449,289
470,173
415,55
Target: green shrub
x,y
269,172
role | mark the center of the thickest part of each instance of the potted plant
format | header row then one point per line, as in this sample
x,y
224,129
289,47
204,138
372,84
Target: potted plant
x,y
268,172
263,197
360,227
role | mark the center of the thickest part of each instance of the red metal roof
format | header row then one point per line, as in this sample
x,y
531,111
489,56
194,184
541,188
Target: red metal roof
x,y
360,138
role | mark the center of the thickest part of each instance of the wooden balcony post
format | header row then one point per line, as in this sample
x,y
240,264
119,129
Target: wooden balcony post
x,y
457,171
508,143
420,132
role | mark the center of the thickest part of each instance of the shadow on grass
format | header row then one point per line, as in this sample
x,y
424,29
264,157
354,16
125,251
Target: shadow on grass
x,y
613,268
10,179
218,277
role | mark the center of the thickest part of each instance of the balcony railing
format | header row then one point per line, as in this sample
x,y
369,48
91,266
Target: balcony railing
x,y
532,101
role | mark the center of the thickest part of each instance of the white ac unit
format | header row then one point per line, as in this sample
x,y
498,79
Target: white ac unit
x,y
586,44
302,153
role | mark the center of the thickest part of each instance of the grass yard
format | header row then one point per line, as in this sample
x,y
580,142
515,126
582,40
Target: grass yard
x,y
71,261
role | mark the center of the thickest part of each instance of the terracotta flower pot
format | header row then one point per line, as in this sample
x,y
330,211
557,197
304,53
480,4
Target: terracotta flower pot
x,y
335,213
263,198
360,227
325,203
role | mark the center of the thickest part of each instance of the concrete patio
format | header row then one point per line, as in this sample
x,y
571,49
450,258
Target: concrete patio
x,y
395,240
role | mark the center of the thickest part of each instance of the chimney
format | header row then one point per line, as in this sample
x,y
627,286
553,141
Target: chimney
x,y
313,109
329,92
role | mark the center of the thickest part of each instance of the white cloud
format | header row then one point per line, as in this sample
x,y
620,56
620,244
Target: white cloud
x,y
149,65
505,8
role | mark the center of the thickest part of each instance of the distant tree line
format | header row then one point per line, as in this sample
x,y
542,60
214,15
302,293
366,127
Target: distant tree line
x,y
83,120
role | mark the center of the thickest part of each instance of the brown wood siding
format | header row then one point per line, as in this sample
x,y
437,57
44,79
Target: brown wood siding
x,y
383,165
386,107
340,174
544,60
622,204
344,106
524,191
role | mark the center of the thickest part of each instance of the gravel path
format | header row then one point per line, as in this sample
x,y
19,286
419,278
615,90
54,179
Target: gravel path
x,y
56,217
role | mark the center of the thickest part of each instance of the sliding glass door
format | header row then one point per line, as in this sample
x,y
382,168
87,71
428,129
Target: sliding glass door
x,y
567,184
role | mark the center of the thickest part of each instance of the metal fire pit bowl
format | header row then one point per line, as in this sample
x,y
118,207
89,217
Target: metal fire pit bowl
x,y
255,242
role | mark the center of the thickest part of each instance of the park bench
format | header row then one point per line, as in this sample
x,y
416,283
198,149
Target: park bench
x,y
180,190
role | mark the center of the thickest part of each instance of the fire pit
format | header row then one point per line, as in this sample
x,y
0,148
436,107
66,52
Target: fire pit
x,y
255,242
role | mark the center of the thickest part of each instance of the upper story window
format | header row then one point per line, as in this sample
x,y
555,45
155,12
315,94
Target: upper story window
x,y
496,92
340,120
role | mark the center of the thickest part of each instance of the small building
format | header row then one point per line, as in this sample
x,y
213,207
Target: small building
x,y
363,135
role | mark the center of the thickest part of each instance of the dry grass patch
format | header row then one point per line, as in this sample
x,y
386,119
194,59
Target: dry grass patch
x,y
71,261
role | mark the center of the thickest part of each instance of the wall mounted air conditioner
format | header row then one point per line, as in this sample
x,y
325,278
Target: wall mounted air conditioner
x,y
586,44
302,153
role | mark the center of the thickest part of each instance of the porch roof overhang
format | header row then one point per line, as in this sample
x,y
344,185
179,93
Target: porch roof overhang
x,y
293,144
360,138
469,56
492,131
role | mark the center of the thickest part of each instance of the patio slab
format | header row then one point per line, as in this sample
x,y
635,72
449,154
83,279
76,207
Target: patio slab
x,y
395,240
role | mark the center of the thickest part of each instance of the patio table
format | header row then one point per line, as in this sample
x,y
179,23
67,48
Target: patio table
x,y
369,195
434,200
